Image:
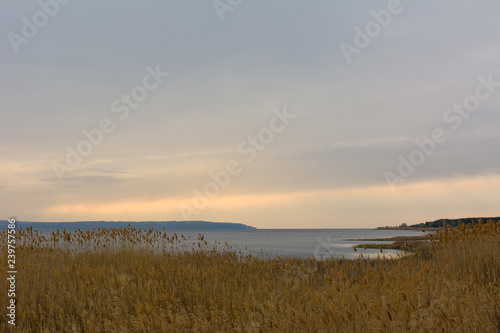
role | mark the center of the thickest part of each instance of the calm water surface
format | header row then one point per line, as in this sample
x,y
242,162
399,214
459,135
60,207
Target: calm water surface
x,y
299,243
303,243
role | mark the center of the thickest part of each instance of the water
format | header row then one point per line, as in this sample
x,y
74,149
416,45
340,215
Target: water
x,y
303,243
298,243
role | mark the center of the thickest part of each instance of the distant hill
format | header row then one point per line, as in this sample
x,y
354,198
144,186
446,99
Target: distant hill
x,y
454,222
440,223
168,225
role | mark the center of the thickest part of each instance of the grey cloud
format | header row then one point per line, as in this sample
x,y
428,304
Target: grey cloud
x,y
353,120
88,180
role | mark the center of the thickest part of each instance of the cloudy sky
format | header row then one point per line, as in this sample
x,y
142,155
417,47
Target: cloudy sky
x,y
277,114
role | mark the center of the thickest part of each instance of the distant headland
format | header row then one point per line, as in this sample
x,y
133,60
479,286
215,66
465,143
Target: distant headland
x,y
168,225
441,222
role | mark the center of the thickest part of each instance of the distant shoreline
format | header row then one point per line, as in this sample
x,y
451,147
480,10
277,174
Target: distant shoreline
x,y
168,225
409,228
439,224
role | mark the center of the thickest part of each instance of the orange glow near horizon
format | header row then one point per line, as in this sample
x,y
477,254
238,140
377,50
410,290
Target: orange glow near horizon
x,y
375,203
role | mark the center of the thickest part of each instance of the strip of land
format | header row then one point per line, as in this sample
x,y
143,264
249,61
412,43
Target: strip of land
x,y
439,224
405,243
167,225
388,239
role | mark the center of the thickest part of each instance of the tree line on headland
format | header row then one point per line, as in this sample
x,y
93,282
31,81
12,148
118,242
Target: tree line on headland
x,y
442,222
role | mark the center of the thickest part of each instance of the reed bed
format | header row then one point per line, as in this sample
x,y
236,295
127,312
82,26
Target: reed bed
x,y
130,280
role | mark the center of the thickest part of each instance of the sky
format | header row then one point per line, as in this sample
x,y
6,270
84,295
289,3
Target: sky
x,y
275,114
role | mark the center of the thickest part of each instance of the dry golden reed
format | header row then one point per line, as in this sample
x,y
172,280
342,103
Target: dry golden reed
x,y
128,280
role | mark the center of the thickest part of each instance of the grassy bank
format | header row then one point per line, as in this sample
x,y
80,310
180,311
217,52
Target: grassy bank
x,y
110,281
397,238
404,243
